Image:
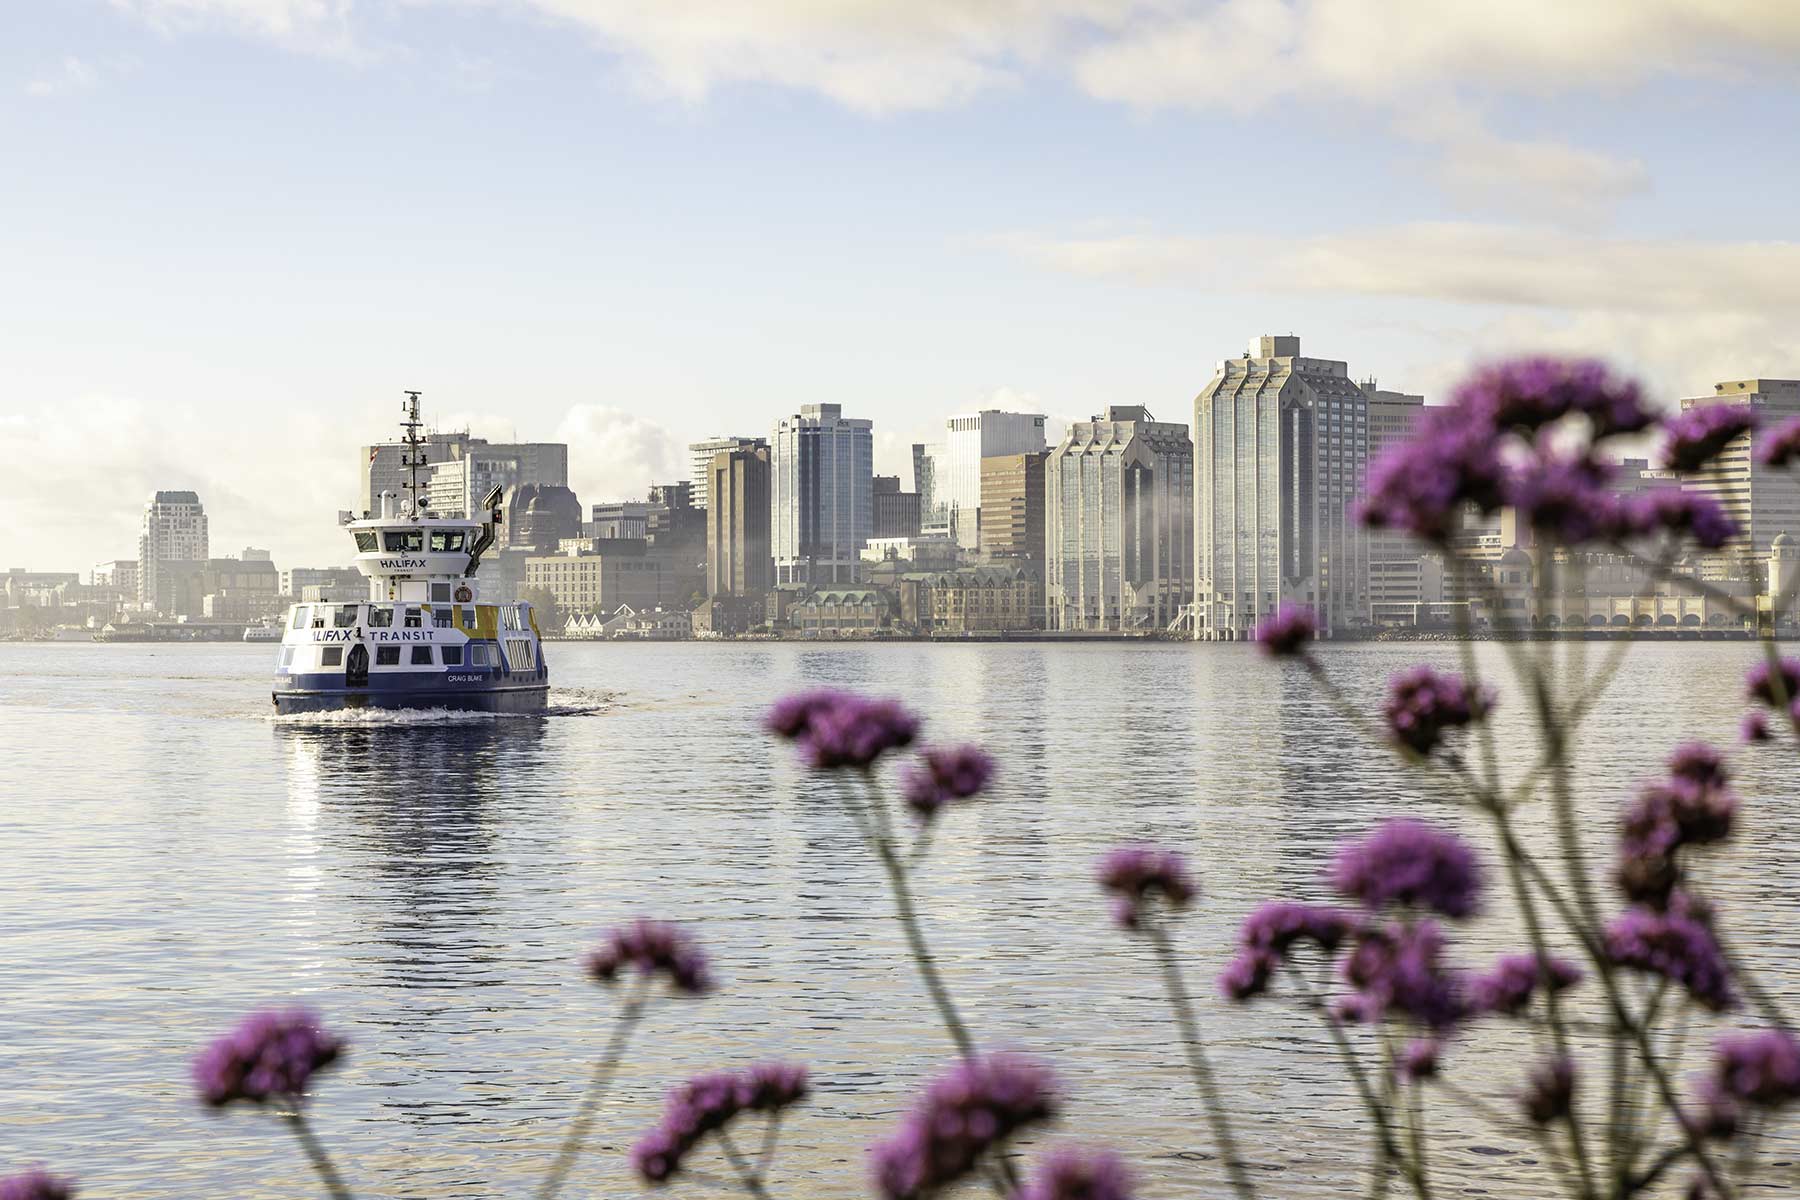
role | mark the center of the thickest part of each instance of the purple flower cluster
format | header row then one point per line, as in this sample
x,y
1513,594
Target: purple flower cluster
x,y
1564,497
840,729
1676,943
1693,807
1782,447
1422,484
652,948
1419,1060
1069,1173
1527,394
971,1109
35,1185
943,775
269,1056
1397,969
1667,510
1134,875
1698,435
1549,1092
1267,936
1287,631
1759,1070
708,1103
1762,680
1423,704
1408,862
1507,988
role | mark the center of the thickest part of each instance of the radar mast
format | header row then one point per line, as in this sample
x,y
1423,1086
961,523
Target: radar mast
x,y
413,456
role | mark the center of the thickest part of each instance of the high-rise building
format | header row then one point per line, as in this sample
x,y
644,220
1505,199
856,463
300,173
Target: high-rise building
x,y
738,560
931,480
822,495
539,517
460,481
1012,506
1118,523
1397,574
896,512
1281,446
1764,501
701,454
173,530
384,468
968,439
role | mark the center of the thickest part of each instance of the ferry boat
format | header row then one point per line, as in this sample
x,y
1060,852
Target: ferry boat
x,y
419,640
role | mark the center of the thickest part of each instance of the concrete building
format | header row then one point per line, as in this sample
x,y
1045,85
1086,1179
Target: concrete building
x,y
1281,448
173,531
1764,502
738,558
919,553
295,580
1012,506
616,572
931,480
896,512
620,519
821,495
539,516
117,578
1118,523
968,439
701,455
1398,574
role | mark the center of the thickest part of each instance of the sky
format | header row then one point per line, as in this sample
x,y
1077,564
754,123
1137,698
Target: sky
x,y
233,231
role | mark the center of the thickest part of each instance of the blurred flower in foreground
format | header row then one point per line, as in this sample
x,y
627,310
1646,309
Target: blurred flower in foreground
x,y
269,1056
652,948
971,1109
707,1104
1423,704
35,1185
943,775
1409,862
839,729
1136,875
1549,1092
1069,1173
1287,631
1698,435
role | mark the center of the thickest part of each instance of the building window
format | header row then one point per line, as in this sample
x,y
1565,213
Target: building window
x,y
387,656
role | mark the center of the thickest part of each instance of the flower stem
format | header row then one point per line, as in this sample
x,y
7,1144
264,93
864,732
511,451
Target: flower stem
x,y
747,1176
315,1154
604,1070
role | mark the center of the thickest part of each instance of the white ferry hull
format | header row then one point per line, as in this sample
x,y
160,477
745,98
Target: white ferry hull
x,y
499,698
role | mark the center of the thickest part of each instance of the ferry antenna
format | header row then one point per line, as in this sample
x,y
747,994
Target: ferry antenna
x,y
413,457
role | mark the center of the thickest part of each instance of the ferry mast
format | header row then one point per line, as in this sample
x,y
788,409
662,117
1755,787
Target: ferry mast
x,y
413,457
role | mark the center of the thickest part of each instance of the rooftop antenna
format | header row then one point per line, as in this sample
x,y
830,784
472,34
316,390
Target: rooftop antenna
x,y
413,456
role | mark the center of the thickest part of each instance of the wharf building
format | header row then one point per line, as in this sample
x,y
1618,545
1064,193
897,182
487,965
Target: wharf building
x,y
1764,501
1281,447
701,456
821,498
174,530
1118,523
968,439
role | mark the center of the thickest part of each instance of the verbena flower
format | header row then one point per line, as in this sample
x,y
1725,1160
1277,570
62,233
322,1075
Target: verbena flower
x,y
792,716
1396,969
36,1185
1700,763
968,1111
840,729
944,775
1419,1059
269,1056
1246,976
1137,875
1760,682
1782,446
1287,631
1508,986
1758,1070
1668,510
1070,1173
1754,728
1677,944
1409,862
1269,933
1529,393
1423,704
1549,1092
653,948
1563,497
1423,484
708,1103
1696,437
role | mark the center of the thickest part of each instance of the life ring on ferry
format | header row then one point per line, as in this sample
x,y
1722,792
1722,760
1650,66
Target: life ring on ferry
x,y
464,595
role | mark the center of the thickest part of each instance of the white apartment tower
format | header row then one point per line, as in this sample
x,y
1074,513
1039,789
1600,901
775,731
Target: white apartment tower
x,y
968,439
1281,446
821,495
174,530
700,455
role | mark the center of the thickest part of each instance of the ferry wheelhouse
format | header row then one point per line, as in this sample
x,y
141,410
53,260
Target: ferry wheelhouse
x,y
420,639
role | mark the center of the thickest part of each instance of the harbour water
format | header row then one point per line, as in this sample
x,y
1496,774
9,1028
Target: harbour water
x,y
175,856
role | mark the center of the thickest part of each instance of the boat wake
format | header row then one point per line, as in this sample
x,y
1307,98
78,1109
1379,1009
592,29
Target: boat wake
x,y
564,702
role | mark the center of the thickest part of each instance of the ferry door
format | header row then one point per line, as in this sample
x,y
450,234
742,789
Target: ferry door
x,y
356,667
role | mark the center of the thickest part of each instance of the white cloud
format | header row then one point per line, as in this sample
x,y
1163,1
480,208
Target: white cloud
x,y
316,26
617,455
73,75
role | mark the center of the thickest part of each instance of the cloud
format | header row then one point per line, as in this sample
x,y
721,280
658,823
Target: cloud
x,y
73,75
617,455
316,26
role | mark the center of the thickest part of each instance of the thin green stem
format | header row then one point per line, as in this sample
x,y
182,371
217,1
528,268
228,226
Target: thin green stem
x,y
751,1181
582,1125
315,1154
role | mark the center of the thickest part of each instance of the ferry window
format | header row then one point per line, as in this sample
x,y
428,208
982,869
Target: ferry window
x,y
287,658
318,616
299,617
413,620
468,618
331,656
387,656
443,540
453,656
421,656
440,593
409,541
344,617
365,541
440,617
478,655
381,616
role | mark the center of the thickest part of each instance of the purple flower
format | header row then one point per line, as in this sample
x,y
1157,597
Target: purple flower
x,y
708,1103
1277,925
1782,446
1529,393
1422,704
1136,874
945,774
841,729
1549,1091
1700,763
772,1086
1677,944
1760,1069
1287,631
1507,989
1698,435
652,948
1419,1060
1409,862
1564,498
1068,1173
1754,728
1761,681
269,1056
1396,969
974,1107
792,715
1668,510
1422,484
36,1185
1246,976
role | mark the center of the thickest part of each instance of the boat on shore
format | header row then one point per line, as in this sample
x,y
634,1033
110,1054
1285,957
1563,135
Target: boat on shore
x,y
419,639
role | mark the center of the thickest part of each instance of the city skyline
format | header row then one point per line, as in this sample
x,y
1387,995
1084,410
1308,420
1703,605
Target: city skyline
x,y
514,207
